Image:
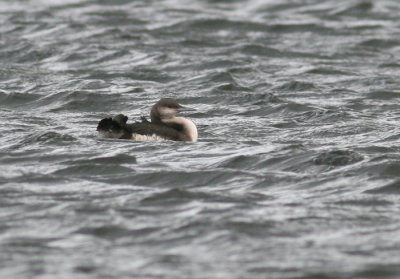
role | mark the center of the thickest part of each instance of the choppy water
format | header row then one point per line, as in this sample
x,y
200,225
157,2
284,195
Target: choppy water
x,y
297,170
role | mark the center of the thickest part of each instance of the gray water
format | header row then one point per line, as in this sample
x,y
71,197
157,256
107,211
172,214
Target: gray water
x,y
296,173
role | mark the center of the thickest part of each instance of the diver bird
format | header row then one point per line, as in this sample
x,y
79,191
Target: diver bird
x,y
164,125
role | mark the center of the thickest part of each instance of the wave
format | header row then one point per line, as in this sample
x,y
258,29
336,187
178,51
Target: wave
x,y
44,138
296,86
338,158
392,188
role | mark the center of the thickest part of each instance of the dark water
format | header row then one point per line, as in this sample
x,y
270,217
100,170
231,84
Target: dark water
x,y
297,170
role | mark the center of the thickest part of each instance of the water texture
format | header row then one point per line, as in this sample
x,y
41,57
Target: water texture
x,y
296,174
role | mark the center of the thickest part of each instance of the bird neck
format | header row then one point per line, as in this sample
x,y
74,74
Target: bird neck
x,y
187,127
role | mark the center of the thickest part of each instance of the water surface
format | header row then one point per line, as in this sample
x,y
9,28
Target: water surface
x,y
297,170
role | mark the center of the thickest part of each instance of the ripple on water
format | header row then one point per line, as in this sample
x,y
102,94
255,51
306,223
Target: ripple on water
x,y
88,170
338,158
259,50
16,99
360,9
391,188
116,159
44,138
296,86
